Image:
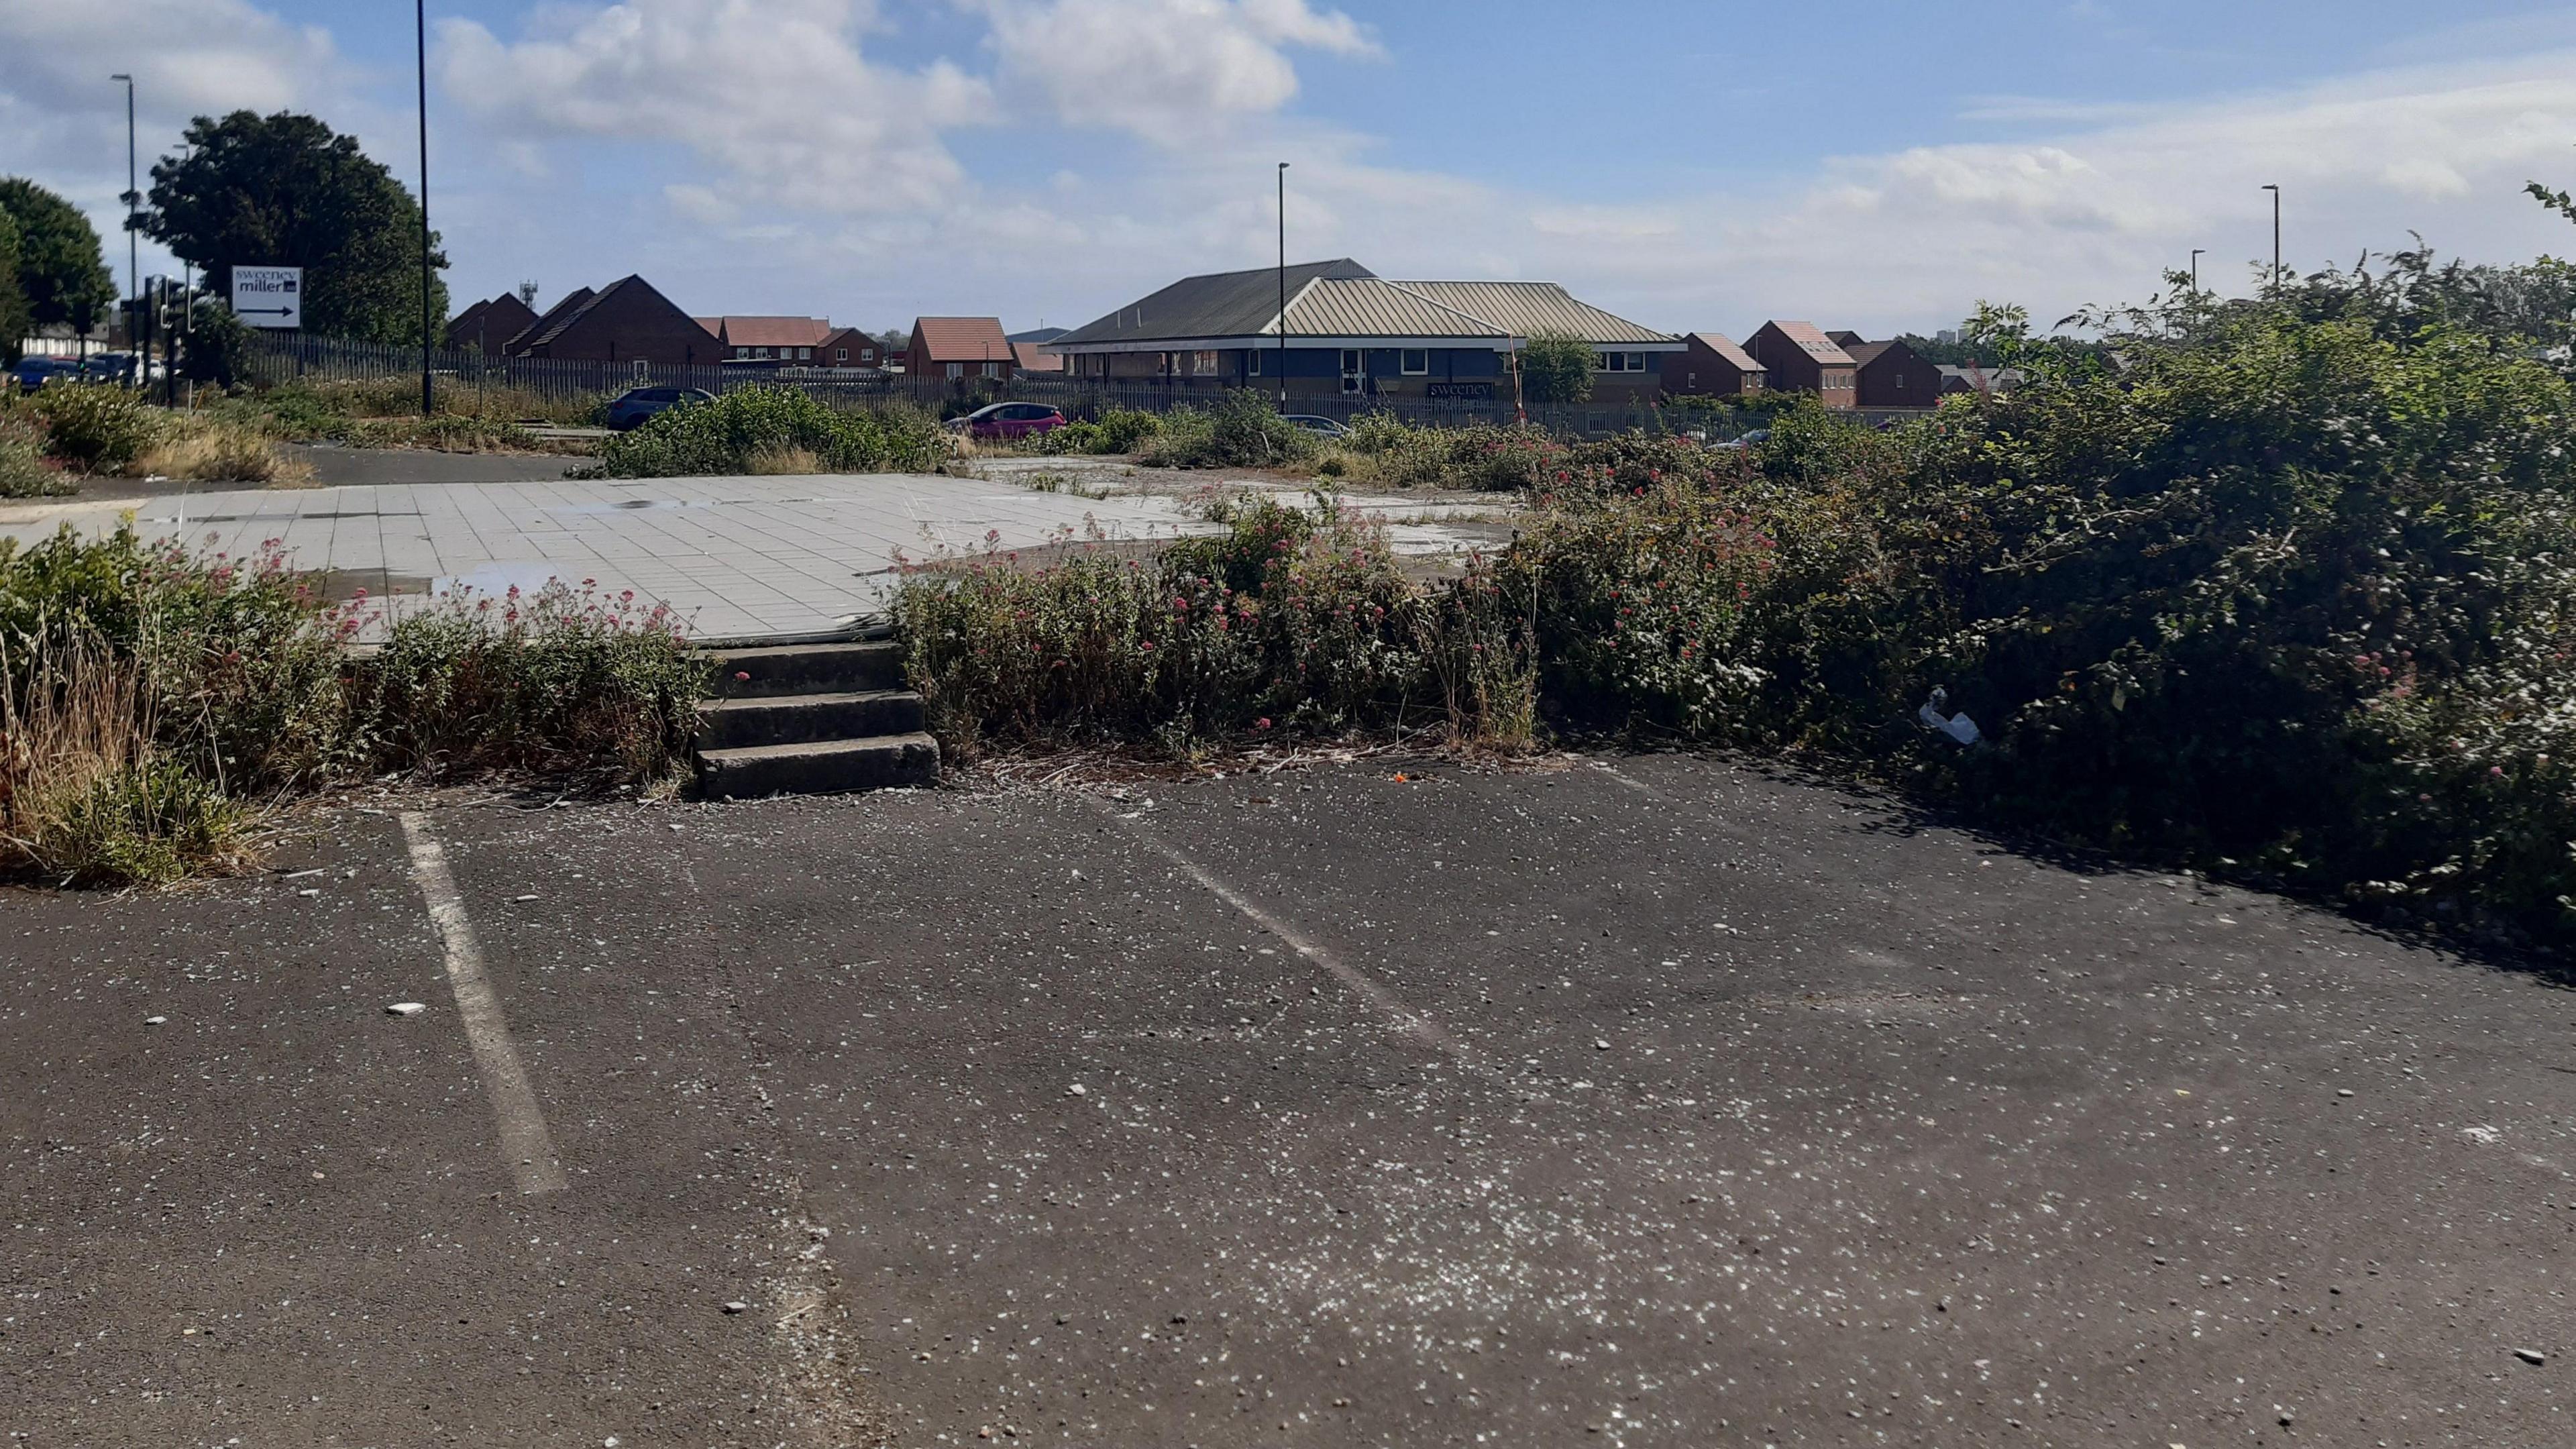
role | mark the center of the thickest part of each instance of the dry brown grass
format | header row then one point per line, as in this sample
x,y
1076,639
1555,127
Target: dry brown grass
x,y
782,462
85,796
212,450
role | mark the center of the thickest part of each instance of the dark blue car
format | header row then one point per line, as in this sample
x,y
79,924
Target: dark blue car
x,y
32,373
630,410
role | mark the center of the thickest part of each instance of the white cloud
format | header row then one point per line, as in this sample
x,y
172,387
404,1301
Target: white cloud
x,y
775,96
62,121
1167,70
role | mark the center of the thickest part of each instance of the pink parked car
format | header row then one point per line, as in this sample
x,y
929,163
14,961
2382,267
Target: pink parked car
x,y
1008,420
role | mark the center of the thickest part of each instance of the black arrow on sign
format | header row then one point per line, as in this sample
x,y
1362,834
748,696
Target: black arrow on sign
x,y
268,311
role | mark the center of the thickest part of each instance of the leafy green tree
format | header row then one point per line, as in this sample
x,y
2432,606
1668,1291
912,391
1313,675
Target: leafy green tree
x,y
286,190
2555,200
61,271
14,317
1556,368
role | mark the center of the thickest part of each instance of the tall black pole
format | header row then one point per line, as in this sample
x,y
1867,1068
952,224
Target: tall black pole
x,y
420,35
133,244
1283,284
2195,269
2276,232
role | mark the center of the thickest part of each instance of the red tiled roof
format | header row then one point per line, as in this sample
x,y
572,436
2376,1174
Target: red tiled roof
x,y
960,339
1030,357
773,331
1724,346
1814,342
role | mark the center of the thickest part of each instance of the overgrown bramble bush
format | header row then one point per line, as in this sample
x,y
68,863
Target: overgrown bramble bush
x,y
1643,603
2286,595
1290,618
727,436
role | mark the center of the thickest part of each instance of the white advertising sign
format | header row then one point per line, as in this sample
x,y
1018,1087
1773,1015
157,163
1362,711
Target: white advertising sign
x,y
269,296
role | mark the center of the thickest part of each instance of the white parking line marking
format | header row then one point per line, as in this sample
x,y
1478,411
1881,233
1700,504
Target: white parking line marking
x,y
529,1151
1419,1026
1631,781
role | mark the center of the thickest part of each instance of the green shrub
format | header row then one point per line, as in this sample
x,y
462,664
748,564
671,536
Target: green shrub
x,y
24,472
128,671
1117,430
1073,438
96,427
1240,429
1289,619
2286,597
723,437
561,682
1124,430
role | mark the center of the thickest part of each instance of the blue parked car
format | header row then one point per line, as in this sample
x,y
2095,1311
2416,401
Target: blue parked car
x,y
34,372
630,410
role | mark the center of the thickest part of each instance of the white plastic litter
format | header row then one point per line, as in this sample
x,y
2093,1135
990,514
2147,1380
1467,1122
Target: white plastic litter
x,y
1957,726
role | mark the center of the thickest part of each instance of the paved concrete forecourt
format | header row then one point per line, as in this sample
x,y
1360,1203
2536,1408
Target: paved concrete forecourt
x,y
735,558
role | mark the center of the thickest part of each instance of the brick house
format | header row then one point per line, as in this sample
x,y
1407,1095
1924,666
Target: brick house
x,y
1799,358
1347,332
957,350
1710,365
849,347
627,321
486,326
786,341
571,302
1889,374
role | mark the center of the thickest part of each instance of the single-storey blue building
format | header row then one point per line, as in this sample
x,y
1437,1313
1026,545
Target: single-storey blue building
x,y
1346,331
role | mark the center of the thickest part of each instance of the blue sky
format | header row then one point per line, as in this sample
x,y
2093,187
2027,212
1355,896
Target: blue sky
x,y
1873,164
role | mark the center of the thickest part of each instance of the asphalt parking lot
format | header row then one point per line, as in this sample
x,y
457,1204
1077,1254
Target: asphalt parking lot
x,y
1645,1101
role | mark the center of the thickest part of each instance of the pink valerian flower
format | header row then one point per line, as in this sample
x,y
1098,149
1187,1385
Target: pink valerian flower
x,y
742,676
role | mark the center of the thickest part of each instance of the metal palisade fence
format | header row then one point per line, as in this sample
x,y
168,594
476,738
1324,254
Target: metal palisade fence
x,y
276,359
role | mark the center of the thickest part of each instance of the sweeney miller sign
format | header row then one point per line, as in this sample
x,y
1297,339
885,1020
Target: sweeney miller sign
x,y
269,296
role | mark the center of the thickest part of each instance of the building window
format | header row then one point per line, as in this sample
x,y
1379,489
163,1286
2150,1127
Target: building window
x,y
1254,364
1203,364
840,354
1622,361
742,352
992,369
956,371
804,354
1416,361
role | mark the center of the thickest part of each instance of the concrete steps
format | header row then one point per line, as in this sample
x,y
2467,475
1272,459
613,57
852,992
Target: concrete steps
x,y
812,719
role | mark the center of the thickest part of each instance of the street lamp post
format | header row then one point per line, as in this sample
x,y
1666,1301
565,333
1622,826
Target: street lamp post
x,y
133,203
2276,232
2195,269
420,36
1283,285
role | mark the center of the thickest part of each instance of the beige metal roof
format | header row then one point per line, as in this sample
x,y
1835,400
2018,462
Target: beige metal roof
x,y
1369,307
1521,309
